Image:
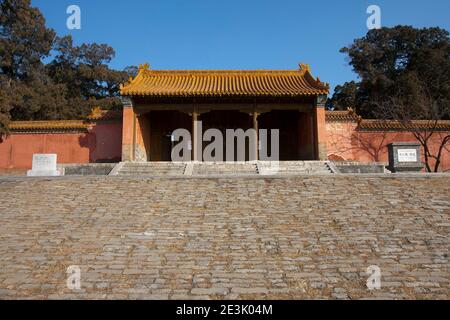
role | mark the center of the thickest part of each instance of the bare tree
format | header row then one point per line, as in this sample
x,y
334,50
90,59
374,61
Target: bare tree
x,y
421,112
372,145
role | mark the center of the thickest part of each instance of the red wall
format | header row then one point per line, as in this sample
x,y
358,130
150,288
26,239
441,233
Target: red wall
x,y
102,143
346,143
106,145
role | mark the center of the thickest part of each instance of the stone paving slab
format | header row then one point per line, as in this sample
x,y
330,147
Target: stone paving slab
x,y
302,237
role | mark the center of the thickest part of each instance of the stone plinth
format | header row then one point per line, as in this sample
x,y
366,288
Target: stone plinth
x,y
44,165
405,157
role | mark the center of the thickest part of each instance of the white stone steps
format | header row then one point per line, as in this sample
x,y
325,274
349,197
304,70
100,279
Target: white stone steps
x,y
152,169
205,169
294,167
222,168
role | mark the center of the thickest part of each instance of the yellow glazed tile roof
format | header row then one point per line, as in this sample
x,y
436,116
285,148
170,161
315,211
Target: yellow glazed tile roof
x,y
224,83
373,124
95,116
342,116
50,125
378,124
98,114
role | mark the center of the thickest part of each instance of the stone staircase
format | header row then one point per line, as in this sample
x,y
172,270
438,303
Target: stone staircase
x,y
223,169
205,169
294,167
155,169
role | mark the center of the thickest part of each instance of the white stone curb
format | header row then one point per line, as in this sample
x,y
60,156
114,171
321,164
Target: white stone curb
x,y
116,169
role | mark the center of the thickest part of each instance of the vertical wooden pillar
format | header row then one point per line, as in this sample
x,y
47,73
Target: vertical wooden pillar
x,y
195,128
256,128
320,126
149,136
135,123
306,135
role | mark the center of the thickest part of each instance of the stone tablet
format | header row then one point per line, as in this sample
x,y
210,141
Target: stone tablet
x,y
404,157
44,165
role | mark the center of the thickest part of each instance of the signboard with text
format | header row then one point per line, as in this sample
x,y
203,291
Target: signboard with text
x,y
407,155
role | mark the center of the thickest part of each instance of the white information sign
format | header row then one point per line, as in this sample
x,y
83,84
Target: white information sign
x,y
407,155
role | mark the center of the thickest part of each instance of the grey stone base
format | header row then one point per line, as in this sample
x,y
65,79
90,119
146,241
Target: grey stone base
x,y
405,169
88,169
45,173
356,167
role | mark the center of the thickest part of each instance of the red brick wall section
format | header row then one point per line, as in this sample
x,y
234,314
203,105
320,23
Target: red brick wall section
x,y
108,142
102,143
346,143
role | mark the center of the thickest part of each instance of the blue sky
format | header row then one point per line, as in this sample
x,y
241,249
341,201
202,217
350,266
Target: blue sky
x,y
236,34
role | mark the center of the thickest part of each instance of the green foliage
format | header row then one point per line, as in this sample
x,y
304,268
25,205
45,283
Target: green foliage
x,y
398,63
5,107
75,80
344,96
24,39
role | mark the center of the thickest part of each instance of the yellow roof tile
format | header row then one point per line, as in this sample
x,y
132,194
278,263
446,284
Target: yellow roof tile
x,y
50,125
217,83
342,116
379,124
373,124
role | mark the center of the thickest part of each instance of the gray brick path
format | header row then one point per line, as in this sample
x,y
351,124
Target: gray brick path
x,y
280,238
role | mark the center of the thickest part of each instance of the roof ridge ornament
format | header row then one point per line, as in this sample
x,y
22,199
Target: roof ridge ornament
x,y
320,83
141,70
96,112
355,116
304,67
144,66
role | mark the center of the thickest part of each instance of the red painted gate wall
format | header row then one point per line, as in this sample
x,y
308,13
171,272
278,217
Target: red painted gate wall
x,y
102,142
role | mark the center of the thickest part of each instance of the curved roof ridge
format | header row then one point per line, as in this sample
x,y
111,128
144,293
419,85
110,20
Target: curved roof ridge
x,y
219,71
257,82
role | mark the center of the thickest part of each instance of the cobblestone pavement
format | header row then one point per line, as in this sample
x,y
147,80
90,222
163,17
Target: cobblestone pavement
x,y
277,238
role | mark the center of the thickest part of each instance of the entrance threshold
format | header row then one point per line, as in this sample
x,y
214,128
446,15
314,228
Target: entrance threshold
x,y
232,169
